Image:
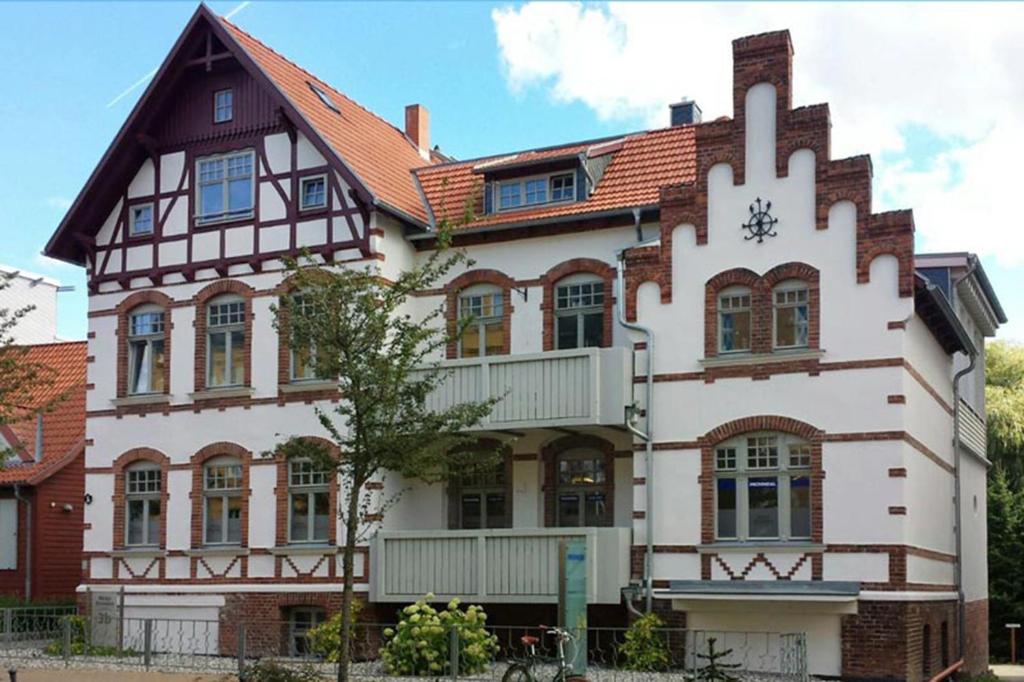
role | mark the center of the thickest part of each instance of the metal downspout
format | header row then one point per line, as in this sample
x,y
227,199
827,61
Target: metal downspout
x,y
28,540
648,435
961,610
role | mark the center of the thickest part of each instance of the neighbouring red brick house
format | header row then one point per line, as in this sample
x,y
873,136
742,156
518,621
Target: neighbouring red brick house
x,y
42,483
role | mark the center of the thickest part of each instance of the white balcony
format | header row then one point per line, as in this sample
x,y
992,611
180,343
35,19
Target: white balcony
x,y
588,386
494,566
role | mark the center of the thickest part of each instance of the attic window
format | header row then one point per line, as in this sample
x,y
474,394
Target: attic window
x,y
325,98
223,106
533,191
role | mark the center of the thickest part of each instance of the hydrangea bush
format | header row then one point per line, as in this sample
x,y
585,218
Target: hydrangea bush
x,y
419,645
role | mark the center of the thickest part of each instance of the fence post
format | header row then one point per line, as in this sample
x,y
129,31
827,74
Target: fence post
x,y
67,640
147,642
241,651
453,651
8,624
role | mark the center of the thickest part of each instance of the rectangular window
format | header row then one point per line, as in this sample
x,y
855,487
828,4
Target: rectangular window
x,y
579,315
800,507
313,192
303,360
141,220
485,334
763,502
223,106
725,503
142,500
563,187
222,504
225,187
481,498
734,323
791,318
509,195
309,507
762,452
146,357
226,344
536,192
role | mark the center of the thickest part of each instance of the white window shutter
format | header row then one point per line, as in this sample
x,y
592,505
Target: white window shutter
x,y
8,534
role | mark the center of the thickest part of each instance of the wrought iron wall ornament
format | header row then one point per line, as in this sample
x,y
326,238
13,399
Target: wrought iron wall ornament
x,y
761,224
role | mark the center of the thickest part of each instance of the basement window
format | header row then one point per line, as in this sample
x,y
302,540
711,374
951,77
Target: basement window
x,y
325,98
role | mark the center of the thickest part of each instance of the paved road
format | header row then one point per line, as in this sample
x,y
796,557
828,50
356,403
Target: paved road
x,y
72,675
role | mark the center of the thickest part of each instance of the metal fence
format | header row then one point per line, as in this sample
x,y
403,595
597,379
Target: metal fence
x,y
56,640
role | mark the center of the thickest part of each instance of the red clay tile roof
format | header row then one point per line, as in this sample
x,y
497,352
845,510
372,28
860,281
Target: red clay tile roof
x,y
377,152
63,427
645,162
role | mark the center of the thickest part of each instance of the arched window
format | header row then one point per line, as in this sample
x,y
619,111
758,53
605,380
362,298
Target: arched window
x,y
734,320
309,501
579,312
582,498
483,500
142,498
225,341
146,350
222,501
763,487
485,334
791,314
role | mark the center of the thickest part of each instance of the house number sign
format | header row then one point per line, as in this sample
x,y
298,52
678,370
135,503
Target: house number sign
x,y
761,224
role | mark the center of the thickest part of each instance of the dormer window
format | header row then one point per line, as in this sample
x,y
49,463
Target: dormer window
x,y
535,191
223,106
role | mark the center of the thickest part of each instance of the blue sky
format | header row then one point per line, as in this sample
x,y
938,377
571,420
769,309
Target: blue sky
x,y
488,89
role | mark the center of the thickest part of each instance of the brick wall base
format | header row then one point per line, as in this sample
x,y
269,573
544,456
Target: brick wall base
x,y
976,636
910,641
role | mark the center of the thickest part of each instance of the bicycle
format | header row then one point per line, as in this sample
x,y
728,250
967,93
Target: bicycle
x,y
522,670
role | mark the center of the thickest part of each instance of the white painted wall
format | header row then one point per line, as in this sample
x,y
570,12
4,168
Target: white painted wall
x,y
29,289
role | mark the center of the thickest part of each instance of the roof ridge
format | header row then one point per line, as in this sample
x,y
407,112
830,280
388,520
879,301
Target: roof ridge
x,y
51,343
319,80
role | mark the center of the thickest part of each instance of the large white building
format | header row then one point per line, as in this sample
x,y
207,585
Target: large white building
x,y
25,289
801,473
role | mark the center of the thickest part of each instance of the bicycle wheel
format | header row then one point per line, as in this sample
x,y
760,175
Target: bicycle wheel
x,y
517,672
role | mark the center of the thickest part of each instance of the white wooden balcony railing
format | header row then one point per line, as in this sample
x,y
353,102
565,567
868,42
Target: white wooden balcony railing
x,y
973,433
494,566
588,386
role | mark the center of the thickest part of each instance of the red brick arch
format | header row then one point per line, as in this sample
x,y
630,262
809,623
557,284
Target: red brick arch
x,y
123,309
762,311
199,459
572,267
468,279
766,422
223,286
281,494
125,460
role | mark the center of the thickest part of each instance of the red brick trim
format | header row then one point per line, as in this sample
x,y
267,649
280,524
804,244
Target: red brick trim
x,y
281,495
549,455
898,472
768,58
898,511
197,462
896,399
762,304
122,310
708,441
468,279
123,461
894,325
572,267
200,300
928,388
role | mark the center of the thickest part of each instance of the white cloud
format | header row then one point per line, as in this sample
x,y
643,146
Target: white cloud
x,y
947,68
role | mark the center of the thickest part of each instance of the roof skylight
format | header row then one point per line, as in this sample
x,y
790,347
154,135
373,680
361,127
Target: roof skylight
x,y
325,98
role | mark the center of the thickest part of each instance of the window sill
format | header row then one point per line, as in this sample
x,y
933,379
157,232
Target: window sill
x,y
734,359
217,393
227,221
229,550
142,399
760,546
139,553
304,550
308,386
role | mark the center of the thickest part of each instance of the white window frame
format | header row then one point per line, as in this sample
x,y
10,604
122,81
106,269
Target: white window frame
x,y
790,287
142,491
521,183
298,301
480,323
584,489
302,192
317,616
149,339
578,311
225,494
220,107
310,483
226,215
133,230
227,330
731,293
794,459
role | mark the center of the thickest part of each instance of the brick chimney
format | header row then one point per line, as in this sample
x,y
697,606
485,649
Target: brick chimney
x,y
417,127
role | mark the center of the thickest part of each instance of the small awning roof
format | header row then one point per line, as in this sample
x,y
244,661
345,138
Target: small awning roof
x,y
810,590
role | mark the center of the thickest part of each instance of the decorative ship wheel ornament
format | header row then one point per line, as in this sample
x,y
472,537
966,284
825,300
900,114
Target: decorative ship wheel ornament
x,y
761,224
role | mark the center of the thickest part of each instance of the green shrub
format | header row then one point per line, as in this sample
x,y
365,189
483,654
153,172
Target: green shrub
x,y
420,644
325,639
644,648
80,642
269,671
